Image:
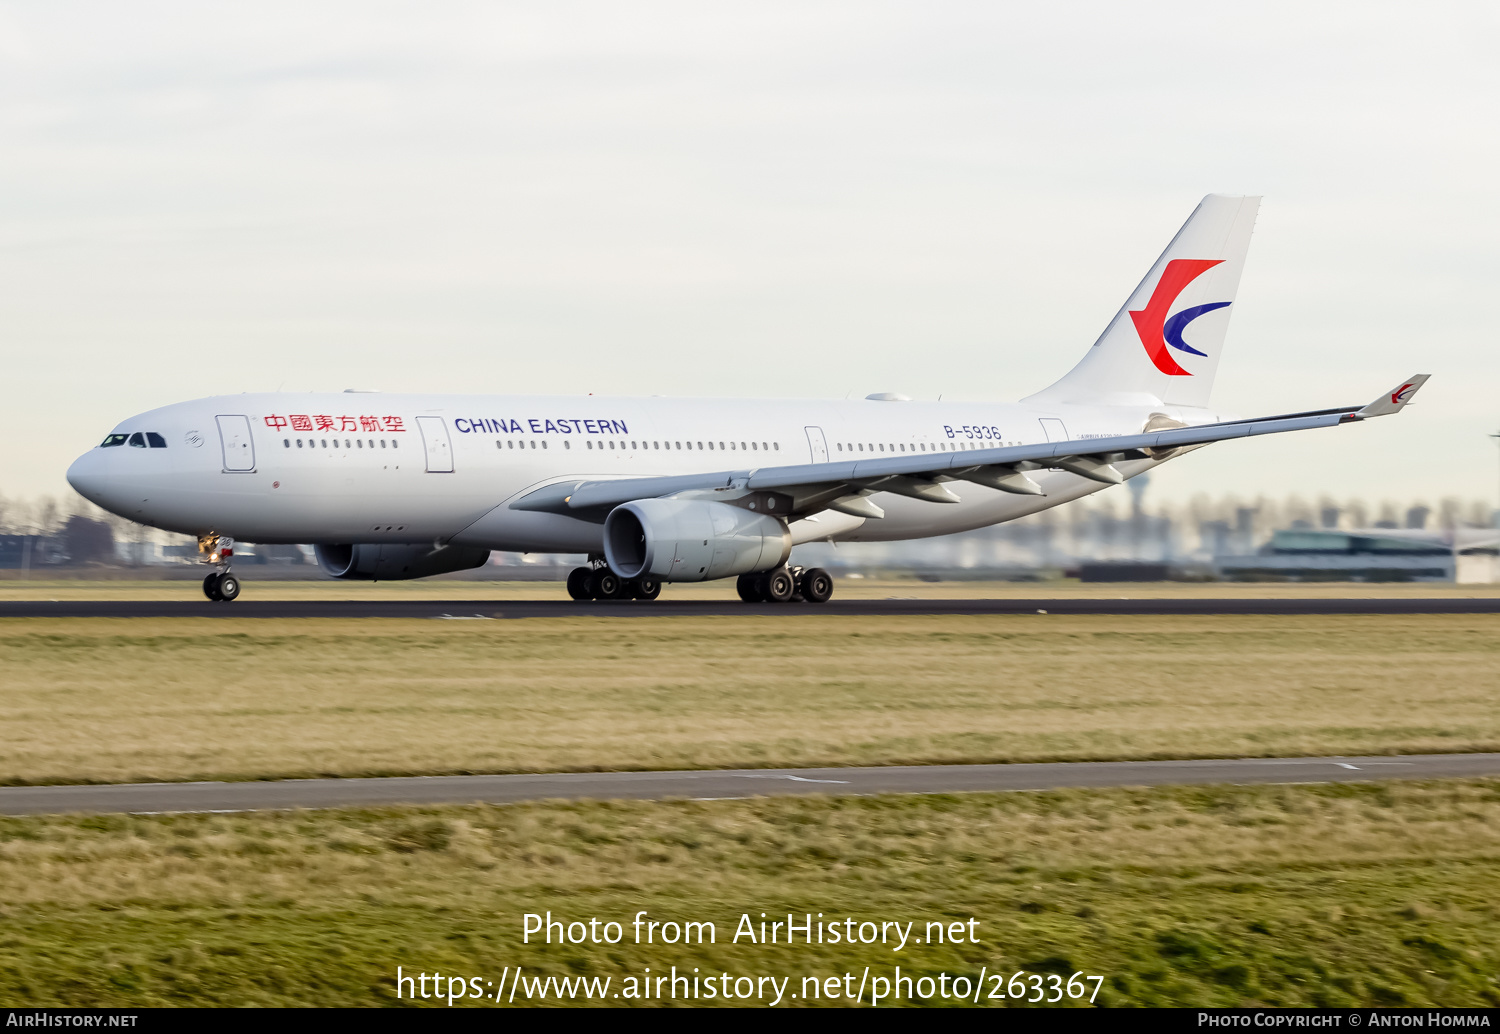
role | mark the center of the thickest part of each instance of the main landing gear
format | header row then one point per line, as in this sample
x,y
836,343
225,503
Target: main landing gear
x,y
221,586
598,582
783,585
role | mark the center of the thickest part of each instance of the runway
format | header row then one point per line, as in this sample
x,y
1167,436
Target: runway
x,y
456,609
719,785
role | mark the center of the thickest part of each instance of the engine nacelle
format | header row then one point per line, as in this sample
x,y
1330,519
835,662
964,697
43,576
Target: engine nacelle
x,y
396,560
692,540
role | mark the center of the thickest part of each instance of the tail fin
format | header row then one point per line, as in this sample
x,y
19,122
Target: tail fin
x,y
1163,346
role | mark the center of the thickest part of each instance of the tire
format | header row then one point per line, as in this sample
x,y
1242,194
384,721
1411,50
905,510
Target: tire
x,y
211,587
608,586
778,585
580,586
817,585
229,588
647,588
748,586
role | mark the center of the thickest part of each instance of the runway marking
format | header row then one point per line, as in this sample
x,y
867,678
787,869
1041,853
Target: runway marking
x,y
290,794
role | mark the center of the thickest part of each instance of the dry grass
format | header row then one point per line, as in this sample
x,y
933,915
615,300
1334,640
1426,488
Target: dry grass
x,y
1356,894
123,700
848,589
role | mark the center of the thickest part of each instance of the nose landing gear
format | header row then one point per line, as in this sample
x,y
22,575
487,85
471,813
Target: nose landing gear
x,y
221,586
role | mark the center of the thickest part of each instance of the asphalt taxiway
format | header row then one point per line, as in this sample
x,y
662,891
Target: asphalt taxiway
x,y
718,785
250,608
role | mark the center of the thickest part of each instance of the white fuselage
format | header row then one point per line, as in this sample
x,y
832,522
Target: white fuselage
x,y
367,467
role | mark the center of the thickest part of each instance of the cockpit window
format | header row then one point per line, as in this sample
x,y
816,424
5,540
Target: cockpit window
x,y
138,440
155,440
112,440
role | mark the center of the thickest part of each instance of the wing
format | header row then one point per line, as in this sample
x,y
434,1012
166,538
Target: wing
x,y
846,485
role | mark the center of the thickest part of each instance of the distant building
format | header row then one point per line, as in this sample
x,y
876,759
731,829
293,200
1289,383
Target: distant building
x,y
26,551
1377,554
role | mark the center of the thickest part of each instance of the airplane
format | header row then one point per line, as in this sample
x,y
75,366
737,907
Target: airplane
x,y
656,490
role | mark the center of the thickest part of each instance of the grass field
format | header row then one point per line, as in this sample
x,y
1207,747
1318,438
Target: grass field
x,y
1354,894
140,699
847,589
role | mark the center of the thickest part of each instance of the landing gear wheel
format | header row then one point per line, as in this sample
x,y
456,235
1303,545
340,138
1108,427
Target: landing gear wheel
x,y
777,586
647,588
748,586
211,587
608,586
229,587
817,585
580,585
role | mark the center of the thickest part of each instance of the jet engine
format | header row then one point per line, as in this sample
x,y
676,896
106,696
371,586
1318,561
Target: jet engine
x,y
397,560
691,540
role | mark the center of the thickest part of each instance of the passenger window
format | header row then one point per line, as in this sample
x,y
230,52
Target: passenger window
x,y
371,441
567,444
589,444
778,446
382,443
286,442
299,443
324,443
544,443
395,445
138,440
110,441
358,443
155,440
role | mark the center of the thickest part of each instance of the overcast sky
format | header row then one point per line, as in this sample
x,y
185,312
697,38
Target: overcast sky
x,y
803,199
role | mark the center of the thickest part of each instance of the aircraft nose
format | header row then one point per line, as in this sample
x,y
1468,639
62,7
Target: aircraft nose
x,y
86,475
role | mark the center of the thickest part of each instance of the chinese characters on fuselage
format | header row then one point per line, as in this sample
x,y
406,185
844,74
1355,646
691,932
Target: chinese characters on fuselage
x,y
337,424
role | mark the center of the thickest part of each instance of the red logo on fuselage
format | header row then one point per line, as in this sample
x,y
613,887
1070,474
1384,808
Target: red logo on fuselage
x,y
1151,323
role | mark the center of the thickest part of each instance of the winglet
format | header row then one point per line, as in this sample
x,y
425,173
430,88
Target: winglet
x,y
1393,401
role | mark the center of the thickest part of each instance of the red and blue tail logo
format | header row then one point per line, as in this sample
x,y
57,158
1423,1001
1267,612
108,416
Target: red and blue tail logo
x,y
1157,332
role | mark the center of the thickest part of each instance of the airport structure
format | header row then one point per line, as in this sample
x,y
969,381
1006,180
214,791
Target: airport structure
x,y
1227,539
